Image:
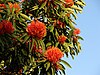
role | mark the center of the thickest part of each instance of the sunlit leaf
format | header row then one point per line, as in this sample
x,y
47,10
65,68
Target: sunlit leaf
x,y
65,63
43,5
80,3
76,8
48,65
26,38
25,16
35,7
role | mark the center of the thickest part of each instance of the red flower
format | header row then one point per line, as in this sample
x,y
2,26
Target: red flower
x,y
59,24
6,27
20,71
76,31
36,29
75,39
49,2
3,5
56,66
62,39
1,29
53,54
35,49
16,6
68,14
39,50
69,2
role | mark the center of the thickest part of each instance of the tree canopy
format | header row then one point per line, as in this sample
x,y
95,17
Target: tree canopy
x,y
36,34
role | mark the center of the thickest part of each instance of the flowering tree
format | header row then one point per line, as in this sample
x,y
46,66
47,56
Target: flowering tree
x,y
36,34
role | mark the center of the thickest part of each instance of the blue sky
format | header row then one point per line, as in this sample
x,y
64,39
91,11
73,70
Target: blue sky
x,y
88,61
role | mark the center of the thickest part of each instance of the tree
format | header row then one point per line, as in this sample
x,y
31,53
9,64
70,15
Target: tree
x,y
36,34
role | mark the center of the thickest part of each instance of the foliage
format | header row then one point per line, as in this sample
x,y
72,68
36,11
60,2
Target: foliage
x,y
36,34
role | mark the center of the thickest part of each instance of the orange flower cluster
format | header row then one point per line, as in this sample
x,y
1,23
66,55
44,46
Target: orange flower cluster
x,y
53,54
16,6
6,27
76,31
69,2
62,39
36,29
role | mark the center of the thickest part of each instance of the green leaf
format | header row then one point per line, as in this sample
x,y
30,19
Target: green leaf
x,y
61,67
78,46
51,28
71,25
62,72
14,24
32,59
48,44
43,5
72,57
25,34
56,33
48,65
20,59
83,2
57,13
26,38
74,15
25,68
32,44
66,45
79,37
2,64
53,71
17,38
30,47
25,16
66,63
80,3
66,19
48,73
68,9
24,52
57,43
72,52
42,45
35,7
76,8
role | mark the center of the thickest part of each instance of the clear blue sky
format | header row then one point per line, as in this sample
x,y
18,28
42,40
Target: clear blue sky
x,y
88,61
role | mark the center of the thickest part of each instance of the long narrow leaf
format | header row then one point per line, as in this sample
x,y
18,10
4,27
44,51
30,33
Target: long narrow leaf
x,y
66,63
